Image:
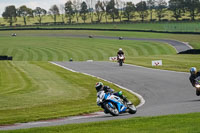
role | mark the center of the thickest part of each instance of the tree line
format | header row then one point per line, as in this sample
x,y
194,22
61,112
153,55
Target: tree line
x,y
107,9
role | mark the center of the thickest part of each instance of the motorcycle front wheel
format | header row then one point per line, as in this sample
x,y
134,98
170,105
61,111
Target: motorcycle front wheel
x,y
120,63
132,109
112,110
197,92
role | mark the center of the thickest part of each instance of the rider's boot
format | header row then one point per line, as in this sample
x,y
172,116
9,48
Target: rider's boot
x,y
126,100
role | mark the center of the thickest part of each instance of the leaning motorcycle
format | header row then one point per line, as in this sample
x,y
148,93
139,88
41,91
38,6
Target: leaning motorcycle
x,y
197,86
113,104
121,59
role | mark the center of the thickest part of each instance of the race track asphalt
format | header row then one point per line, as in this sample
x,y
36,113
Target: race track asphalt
x,y
165,92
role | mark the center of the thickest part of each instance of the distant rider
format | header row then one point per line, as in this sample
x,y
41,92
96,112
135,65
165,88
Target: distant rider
x,y
100,87
120,53
193,76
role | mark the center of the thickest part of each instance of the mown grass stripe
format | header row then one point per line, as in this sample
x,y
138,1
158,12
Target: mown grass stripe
x,y
37,54
59,48
4,51
22,82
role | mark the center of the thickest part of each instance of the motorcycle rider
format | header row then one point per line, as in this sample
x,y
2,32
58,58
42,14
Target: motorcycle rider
x,y
120,53
193,76
100,87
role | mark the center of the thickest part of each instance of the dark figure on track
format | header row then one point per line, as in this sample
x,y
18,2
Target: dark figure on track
x,y
193,76
119,53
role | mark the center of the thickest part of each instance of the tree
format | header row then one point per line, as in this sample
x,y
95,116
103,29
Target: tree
x,y
24,12
54,12
120,4
151,6
90,10
99,8
161,8
40,13
193,7
10,14
84,11
76,6
129,9
176,6
62,13
141,8
111,10
69,11
105,3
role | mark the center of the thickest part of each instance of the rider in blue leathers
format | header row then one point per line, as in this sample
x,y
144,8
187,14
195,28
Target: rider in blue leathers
x,y
100,87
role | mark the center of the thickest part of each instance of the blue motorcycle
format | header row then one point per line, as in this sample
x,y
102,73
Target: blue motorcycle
x,y
113,104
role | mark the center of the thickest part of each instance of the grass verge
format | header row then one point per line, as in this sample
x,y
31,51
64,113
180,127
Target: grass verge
x,y
186,123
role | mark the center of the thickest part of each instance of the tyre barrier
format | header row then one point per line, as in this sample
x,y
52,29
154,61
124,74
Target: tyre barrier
x,y
4,57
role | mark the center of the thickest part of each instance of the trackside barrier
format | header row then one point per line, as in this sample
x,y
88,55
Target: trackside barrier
x,y
113,58
157,63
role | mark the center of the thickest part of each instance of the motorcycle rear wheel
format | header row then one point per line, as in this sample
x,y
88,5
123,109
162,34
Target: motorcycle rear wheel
x,y
113,111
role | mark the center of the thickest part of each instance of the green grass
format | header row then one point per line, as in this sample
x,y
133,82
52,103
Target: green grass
x,y
31,91
188,123
32,47
193,40
157,26
170,62
162,26
62,48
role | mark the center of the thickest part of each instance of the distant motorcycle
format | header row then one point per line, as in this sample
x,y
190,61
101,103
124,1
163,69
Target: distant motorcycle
x,y
14,34
90,36
121,60
113,104
197,86
120,38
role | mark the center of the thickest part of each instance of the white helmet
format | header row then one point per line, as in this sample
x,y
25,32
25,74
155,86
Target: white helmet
x,y
120,49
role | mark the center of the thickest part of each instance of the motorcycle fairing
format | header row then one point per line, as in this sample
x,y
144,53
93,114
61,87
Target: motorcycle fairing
x,y
116,100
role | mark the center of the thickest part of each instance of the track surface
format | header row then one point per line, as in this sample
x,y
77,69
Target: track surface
x,y
165,92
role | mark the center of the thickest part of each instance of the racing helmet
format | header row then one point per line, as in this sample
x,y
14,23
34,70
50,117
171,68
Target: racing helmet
x,y
193,70
98,86
120,49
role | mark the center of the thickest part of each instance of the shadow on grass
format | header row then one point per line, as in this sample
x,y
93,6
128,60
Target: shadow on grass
x,y
191,51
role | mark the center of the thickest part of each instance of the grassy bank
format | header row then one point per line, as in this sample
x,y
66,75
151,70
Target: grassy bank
x,y
188,123
155,26
31,91
33,47
82,49
192,39
180,63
